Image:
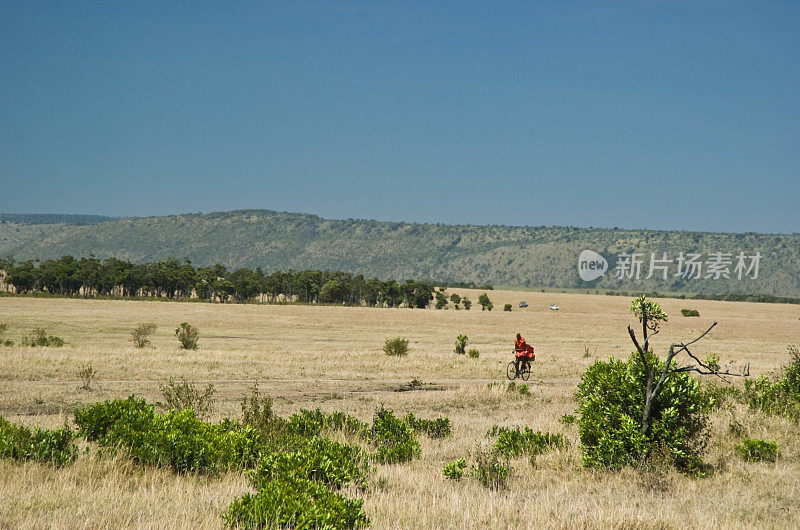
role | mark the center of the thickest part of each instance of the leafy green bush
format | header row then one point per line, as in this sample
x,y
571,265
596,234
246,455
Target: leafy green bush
x,y
322,460
178,440
393,437
141,333
755,450
438,428
294,502
690,312
461,344
185,395
39,337
512,442
490,471
779,394
49,446
567,419
473,353
611,403
455,469
397,346
507,307
187,336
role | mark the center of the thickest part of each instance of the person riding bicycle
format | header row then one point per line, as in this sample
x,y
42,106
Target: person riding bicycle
x,y
523,350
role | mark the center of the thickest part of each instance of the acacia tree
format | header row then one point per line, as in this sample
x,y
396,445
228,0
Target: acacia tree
x,y
651,315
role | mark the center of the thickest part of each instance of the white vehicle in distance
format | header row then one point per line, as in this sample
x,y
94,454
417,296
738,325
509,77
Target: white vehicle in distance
x,y
523,304
554,307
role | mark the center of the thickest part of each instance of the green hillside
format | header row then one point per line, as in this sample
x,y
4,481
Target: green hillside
x,y
500,255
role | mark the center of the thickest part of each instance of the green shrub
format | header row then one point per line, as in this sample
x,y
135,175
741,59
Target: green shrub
x,y
322,460
467,303
779,394
611,403
755,450
524,389
512,442
178,440
140,335
397,346
293,502
187,336
393,438
48,446
507,307
39,337
438,428
185,395
455,469
473,353
567,419
461,344
490,471
690,312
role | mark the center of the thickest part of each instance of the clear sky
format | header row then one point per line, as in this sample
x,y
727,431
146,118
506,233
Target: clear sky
x,y
633,114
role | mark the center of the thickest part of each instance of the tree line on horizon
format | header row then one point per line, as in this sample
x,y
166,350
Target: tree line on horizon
x,y
175,279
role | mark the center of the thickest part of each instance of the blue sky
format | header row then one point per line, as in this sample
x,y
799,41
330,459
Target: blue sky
x,y
670,115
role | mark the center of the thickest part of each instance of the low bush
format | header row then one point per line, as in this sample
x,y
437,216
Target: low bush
x,y
187,336
507,307
394,438
513,442
294,502
141,334
438,428
397,346
755,450
87,375
455,469
780,393
461,344
473,353
48,446
178,440
490,471
185,395
567,419
257,412
690,312
39,337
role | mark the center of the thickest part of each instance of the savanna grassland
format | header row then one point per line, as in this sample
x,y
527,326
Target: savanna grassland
x,y
330,357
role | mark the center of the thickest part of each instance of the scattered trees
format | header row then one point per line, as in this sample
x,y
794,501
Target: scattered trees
x,y
486,304
171,278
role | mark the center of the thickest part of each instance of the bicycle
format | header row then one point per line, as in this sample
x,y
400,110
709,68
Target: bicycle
x,y
524,371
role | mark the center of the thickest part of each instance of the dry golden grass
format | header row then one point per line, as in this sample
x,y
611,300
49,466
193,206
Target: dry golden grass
x,y
330,357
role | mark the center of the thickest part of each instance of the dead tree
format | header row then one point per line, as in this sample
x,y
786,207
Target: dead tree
x,y
651,315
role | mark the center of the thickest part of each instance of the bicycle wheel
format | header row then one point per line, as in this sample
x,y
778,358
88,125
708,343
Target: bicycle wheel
x,y
525,371
511,370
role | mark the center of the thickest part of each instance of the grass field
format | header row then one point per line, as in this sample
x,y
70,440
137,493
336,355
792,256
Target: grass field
x,y
330,357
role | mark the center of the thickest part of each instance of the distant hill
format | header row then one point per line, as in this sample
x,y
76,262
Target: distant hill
x,y
501,255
